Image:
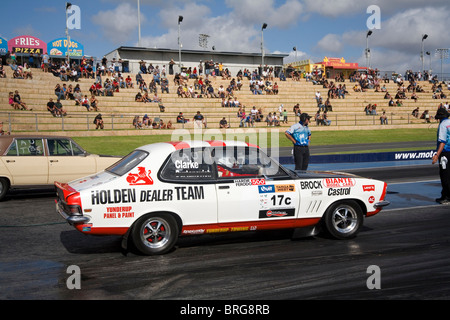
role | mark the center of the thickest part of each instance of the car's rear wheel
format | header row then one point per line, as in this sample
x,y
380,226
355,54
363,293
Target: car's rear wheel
x,y
155,233
343,220
4,187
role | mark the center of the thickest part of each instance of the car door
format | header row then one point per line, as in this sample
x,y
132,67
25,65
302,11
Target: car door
x,y
26,161
67,161
252,187
189,174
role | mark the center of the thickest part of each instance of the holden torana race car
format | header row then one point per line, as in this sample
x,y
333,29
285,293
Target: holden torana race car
x,y
165,190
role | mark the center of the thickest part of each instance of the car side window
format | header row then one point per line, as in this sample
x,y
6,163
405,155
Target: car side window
x,y
245,162
189,165
63,147
26,147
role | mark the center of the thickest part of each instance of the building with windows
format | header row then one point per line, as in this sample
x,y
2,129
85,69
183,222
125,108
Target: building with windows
x,y
131,58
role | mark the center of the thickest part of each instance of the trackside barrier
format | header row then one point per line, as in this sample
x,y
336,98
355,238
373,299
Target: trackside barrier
x,y
366,157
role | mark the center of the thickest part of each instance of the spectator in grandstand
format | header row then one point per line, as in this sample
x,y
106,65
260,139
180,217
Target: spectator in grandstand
x,y
98,121
51,107
138,97
60,112
325,119
426,116
181,119
26,71
59,92
223,123
164,85
19,101
78,97
415,112
269,119
137,124
146,98
210,92
146,121
199,119
94,103
85,103
383,118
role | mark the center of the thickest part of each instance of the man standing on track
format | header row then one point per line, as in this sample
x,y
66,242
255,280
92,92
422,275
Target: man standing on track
x,y
443,154
300,135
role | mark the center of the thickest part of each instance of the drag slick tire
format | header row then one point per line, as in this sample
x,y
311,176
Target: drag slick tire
x,y
155,233
343,220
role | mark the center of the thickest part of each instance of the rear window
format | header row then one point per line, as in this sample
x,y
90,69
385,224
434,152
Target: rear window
x,y
127,163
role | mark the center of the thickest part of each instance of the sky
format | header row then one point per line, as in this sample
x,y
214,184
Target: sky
x,y
316,28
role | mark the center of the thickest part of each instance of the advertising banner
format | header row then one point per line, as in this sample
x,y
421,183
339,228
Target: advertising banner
x,y
3,47
59,48
27,45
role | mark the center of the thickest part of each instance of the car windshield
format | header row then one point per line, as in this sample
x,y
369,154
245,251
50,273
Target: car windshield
x,y
127,163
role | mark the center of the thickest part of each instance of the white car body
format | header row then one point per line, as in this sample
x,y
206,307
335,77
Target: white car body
x,y
172,189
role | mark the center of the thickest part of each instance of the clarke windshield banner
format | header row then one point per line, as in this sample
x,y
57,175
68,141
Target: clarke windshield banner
x,y
59,48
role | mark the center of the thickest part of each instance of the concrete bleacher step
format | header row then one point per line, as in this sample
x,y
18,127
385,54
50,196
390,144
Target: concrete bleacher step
x,y
347,113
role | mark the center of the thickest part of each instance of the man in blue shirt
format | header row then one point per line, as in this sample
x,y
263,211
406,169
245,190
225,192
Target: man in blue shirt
x,y
443,154
300,135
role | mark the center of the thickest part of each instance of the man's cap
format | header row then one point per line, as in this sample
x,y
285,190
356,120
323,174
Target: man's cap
x,y
304,116
441,113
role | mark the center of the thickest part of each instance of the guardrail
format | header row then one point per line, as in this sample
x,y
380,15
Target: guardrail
x,y
25,121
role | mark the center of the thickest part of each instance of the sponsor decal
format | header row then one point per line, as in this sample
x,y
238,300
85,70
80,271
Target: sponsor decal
x,y
257,182
371,199
179,164
284,188
156,195
140,178
368,188
118,212
339,182
316,193
266,189
338,191
271,213
311,184
113,196
86,227
197,231
249,182
123,196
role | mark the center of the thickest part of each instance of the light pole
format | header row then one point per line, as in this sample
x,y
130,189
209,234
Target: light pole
x,y
428,53
424,36
68,5
139,22
180,19
262,46
442,54
368,50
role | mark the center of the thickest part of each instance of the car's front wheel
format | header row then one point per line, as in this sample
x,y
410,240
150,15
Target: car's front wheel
x,y
343,220
4,186
155,233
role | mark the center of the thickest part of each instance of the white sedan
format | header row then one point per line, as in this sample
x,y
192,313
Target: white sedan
x,y
165,190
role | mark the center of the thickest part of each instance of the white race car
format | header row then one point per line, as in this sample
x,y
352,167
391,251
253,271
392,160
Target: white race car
x,y
165,190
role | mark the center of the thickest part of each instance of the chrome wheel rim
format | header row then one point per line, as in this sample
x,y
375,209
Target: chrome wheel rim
x,y
345,219
155,233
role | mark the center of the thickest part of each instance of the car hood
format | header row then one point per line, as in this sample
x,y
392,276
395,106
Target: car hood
x,y
92,180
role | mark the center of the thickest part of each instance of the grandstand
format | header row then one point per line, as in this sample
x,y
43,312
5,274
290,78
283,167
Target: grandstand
x,y
118,111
